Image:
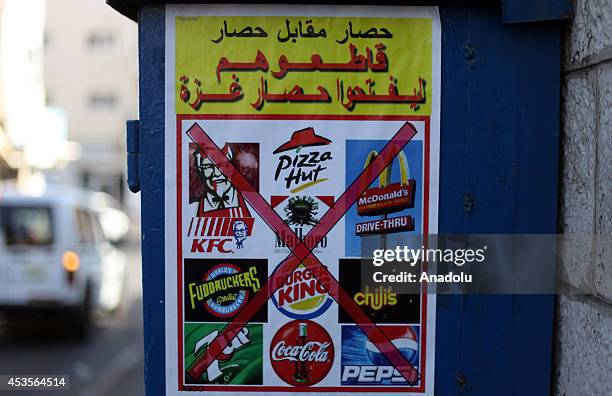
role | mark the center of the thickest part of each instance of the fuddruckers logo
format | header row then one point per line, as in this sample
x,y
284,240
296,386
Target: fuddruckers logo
x,y
217,290
387,198
301,295
299,166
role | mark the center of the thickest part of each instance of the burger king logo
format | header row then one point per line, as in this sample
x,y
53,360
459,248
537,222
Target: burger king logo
x,y
302,294
301,353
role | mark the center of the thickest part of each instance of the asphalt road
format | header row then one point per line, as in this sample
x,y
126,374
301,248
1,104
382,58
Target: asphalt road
x,y
108,362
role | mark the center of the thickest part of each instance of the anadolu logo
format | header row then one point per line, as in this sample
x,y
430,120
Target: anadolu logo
x,y
298,167
301,353
225,289
301,295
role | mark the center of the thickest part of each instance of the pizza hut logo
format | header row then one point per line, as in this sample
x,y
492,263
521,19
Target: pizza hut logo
x,y
299,168
302,353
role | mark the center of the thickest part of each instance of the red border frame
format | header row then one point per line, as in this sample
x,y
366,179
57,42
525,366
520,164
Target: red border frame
x,y
263,388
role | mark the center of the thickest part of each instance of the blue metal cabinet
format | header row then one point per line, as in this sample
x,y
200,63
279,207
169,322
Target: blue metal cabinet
x,y
499,171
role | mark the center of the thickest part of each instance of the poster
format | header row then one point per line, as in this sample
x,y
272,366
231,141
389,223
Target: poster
x,y
292,133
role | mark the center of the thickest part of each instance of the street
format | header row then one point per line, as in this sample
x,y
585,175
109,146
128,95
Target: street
x,y
109,361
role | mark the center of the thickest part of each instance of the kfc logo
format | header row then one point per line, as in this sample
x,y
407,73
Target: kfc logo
x,y
223,221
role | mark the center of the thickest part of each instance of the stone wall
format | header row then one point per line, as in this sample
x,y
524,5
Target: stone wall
x,y
583,341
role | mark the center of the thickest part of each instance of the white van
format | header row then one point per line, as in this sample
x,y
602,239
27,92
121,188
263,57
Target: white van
x,y
52,251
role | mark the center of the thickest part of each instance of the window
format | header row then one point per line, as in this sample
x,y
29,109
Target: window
x,y
89,227
85,226
26,225
99,232
102,101
98,41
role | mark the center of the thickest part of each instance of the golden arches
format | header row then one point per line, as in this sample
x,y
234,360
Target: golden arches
x,y
385,177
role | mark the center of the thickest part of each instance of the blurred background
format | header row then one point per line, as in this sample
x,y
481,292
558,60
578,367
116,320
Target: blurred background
x,y
70,284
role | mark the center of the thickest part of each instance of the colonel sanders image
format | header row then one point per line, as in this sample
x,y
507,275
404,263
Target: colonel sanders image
x,y
241,231
222,211
219,194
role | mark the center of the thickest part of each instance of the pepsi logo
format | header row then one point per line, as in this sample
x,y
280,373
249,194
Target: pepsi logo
x,y
363,363
403,338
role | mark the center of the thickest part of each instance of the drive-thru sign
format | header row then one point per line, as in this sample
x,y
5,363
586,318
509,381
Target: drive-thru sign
x,y
283,125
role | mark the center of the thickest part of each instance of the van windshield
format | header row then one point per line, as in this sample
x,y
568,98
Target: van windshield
x,y
26,225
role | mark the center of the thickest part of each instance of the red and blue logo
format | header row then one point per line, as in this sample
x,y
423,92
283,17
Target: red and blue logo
x,y
363,364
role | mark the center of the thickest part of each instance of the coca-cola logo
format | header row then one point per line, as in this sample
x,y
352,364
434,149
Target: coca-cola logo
x,y
310,352
301,353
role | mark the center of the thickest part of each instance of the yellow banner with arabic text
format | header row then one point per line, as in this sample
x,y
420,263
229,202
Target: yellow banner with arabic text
x,y
303,65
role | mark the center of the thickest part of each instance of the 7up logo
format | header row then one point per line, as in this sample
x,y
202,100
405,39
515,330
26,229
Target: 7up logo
x,y
237,363
214,371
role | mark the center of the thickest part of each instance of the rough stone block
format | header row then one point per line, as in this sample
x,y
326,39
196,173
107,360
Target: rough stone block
x,y
583,347
603,190
578,178
589,36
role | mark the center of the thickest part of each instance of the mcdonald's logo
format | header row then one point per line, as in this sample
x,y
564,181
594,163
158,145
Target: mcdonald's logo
x,y
388,197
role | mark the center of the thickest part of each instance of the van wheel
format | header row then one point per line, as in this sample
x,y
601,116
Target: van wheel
x,y
82,316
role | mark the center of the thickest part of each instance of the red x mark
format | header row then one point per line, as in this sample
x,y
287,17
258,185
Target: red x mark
x,y
301,252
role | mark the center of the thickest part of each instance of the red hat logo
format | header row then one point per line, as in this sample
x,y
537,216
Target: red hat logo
x,y
302,138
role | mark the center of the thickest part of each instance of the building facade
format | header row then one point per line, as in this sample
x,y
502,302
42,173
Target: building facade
x,y
91,72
